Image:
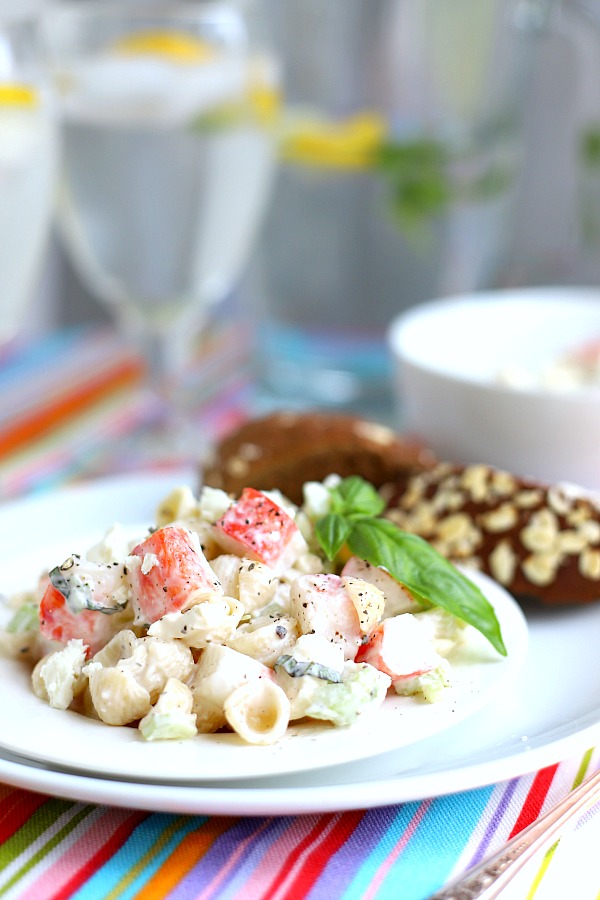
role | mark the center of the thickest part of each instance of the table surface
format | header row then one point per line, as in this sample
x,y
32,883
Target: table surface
x,y
68,402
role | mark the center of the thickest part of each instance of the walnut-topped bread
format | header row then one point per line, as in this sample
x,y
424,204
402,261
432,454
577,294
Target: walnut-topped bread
x,y
539,541
285,449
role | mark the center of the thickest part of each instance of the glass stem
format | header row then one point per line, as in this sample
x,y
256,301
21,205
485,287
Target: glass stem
x,y
166,351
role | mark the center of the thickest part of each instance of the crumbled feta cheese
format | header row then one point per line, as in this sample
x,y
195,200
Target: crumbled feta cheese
x,y
213,503
317,499
149,561
59,672
114,547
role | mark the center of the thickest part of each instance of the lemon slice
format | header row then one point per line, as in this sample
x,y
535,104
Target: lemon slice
x,y
14,94
350,143
173,45
265,103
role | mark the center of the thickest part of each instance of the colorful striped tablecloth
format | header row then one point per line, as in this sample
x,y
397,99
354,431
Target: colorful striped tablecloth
x,y
66,404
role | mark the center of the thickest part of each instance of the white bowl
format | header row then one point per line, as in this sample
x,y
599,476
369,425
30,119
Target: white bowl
x,y
448,355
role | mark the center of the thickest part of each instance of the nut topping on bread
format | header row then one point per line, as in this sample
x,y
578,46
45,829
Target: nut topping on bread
x,y
286,449
540,541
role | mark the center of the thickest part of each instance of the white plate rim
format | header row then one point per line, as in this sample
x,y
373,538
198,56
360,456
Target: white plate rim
x,y
293,798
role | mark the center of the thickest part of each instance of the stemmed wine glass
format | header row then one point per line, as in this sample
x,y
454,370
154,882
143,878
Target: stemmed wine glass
x,y
167,112
28,159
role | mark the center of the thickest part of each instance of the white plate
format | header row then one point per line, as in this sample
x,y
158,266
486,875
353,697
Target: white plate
x,y
78,518
552,714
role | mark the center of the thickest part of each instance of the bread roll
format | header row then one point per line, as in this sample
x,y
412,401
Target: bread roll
x,y
285,449
537,540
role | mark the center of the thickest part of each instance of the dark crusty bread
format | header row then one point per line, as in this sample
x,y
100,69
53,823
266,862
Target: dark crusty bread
x,y
539,541
285,449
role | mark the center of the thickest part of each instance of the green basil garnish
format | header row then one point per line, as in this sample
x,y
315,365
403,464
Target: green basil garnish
x,y
77,593
412,561
296,668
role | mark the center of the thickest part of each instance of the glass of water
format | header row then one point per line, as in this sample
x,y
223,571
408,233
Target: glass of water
x,y
28,159
167,113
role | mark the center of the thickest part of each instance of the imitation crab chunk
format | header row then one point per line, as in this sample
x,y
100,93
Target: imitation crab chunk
x,y
85,600
257,528
398,599
321,604
400,647
169,573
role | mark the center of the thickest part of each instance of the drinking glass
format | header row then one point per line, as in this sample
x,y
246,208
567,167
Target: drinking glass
x,y
28,157
167,114
402,154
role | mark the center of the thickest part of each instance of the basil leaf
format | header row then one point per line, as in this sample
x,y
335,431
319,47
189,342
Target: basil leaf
x,y
354,497
60,581
426,573
332,532
355,522
78,594
296,668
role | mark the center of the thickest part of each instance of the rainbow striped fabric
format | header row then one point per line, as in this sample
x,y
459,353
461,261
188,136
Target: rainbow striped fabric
x,y
59,397
52,848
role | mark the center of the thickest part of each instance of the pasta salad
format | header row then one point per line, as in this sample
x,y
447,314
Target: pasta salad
x,y
247,614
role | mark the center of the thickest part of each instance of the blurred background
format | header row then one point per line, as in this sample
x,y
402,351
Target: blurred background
x,y
425,149
545,239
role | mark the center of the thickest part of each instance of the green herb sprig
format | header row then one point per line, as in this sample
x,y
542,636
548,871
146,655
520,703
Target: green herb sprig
x,y
355,522
296,668
423,180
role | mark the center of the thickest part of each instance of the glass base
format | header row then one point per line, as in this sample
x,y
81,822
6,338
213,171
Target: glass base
x,y
345,371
